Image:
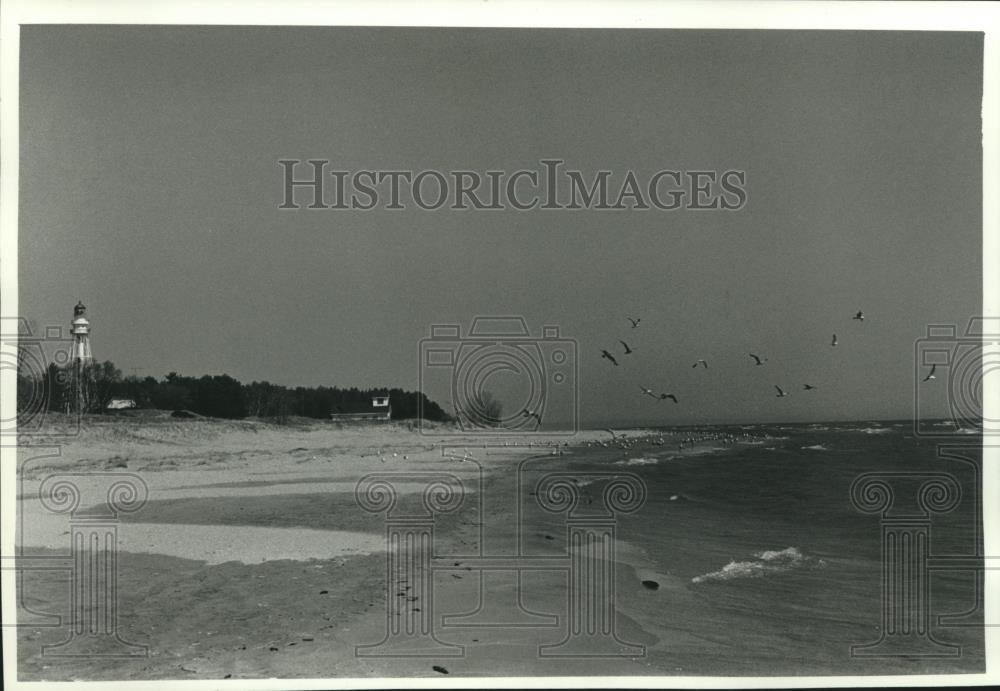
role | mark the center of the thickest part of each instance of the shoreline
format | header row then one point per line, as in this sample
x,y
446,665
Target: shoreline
x,y
252,558
232,498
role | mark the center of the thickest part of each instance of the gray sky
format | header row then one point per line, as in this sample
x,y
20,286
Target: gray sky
x,y
150,187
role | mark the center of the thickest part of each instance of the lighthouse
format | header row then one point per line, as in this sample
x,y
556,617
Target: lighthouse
x,y
81,334
80,328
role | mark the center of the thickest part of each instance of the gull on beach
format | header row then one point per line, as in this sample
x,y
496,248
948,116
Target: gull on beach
x,y
781,392
628,351
930,375
635,322
860,316
605,354
808,387
700,362
664,396
834,341
758,358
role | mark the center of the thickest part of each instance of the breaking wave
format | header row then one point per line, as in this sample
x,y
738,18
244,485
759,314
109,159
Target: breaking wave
x,y
766,563
638,461
875,430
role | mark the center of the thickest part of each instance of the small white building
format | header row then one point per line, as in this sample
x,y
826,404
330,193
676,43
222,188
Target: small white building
x,y
381,411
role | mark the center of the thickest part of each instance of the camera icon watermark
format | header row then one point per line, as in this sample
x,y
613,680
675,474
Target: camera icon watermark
x,y
460,367
950,371
40,362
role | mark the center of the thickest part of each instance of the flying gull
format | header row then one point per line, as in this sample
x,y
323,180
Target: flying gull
x,y
609,356
528,413
781,393
760,361
664,396
700,362
628,351
635,322
860,316
807,387
834,341
930,375
648,392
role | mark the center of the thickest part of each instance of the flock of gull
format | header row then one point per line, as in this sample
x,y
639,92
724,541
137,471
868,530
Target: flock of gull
x,y
619,439
693,438
758,361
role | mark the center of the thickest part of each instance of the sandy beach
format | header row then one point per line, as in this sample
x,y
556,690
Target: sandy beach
x,y
251,540
252,558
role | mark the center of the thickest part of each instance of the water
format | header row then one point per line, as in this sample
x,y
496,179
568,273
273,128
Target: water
x,y
765,564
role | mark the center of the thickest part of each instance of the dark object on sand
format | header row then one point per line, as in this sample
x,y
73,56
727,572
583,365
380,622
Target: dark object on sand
x,y
651,585
439,670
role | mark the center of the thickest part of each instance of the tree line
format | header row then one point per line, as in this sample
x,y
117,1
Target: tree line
x,y
217,395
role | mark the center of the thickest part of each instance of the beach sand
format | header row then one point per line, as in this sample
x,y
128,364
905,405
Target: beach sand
x,y
251,558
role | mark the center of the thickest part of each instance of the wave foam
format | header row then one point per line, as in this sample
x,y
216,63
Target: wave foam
x,y
638,461
816,447
767,562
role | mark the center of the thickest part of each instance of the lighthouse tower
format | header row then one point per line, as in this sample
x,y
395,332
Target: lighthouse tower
x,y
81,334
80,395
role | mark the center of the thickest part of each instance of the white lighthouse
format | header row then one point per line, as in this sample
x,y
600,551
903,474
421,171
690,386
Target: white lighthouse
x,y
81,334
80,328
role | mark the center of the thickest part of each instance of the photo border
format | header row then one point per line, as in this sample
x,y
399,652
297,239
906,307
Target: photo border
x,y
625,14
